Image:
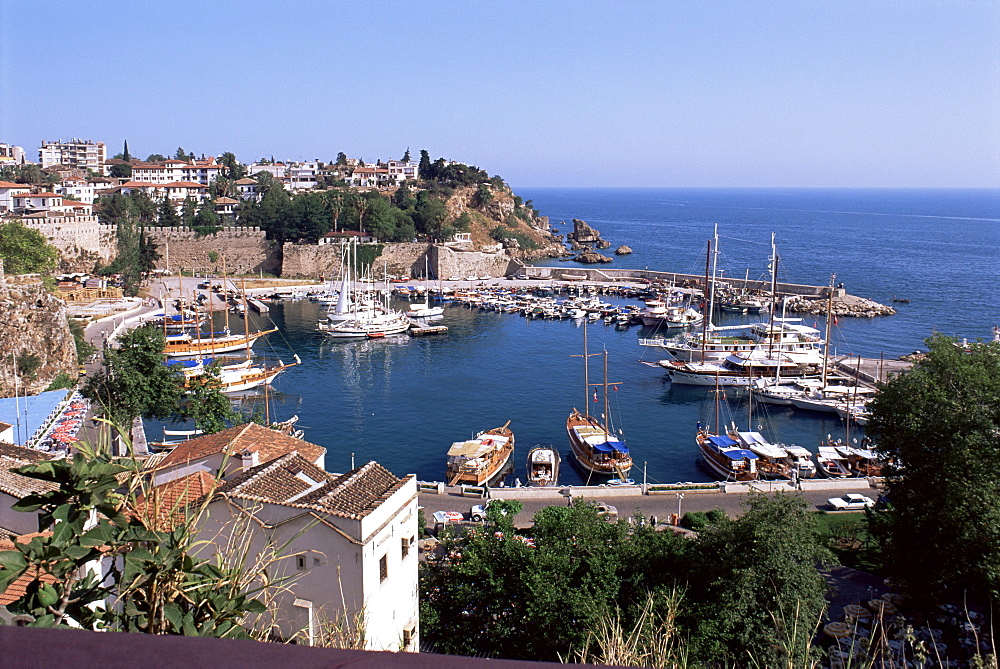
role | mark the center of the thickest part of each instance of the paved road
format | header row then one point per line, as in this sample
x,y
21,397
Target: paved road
x,y
661,506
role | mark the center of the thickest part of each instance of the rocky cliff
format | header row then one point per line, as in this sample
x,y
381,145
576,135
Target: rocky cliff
x,y
35,340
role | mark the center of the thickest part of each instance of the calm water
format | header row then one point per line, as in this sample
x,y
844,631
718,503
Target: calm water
x,y
403,401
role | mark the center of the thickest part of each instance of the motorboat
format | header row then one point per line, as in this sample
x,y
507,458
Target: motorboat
x,y
543,466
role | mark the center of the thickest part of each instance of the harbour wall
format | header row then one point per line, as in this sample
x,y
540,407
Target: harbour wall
x,y
673,278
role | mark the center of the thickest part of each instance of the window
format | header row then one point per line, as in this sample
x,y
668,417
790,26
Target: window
x,y
383,568
406,547
300,561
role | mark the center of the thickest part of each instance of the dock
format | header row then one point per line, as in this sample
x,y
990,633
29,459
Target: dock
x,y
421,330
257,305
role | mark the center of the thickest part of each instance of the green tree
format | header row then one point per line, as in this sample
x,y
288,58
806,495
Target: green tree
x,y
134,381
25,250
125,154
167,215
204,403
232,169
206,221
937,426
429,215
180,154
424,166
406,156
156,158
189,209
154,584
341,158
756,589
121,171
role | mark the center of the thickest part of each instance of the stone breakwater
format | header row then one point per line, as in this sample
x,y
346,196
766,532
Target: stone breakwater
x,y
846,305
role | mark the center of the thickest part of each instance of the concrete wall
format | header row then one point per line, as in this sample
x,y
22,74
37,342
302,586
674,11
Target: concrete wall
x,y
245,250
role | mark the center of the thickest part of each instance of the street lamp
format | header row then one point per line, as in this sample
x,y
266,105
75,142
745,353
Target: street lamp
x,y
680,496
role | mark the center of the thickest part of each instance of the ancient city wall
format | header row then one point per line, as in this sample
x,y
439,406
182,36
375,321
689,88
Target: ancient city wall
x,y
245,250
451,262
311,260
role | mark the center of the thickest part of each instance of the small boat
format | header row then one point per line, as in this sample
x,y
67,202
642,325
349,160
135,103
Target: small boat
x,y
726,457
543,466
478,461
832,463
621,482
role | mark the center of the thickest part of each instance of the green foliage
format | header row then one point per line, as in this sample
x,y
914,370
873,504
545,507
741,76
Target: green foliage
x,y
153,583
134,380
203,402
367,254
483,195
213,256
699,520
121,171
341,158
28,173
206,221
62,380
502,233
27,365
155,158
758,590
167,215
940,536
25,250
232,169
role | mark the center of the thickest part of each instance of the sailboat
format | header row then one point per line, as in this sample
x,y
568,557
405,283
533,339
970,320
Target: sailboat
x,y
724,455
424,309
596,448
363,318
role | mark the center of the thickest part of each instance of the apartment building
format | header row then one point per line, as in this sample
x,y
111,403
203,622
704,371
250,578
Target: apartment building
x,y
78,153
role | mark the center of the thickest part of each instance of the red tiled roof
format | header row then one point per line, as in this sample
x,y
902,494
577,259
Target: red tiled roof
x,y
249,437
293,481
38,195
163,507
17,589
184,184
7,184
140,184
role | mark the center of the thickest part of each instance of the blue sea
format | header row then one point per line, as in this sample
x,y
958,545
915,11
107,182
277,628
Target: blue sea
x,y
403,401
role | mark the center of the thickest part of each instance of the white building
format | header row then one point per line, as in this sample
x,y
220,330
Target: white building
x,y
10,154
202,172
389,175
276,170
74,153
349,541
78,189
302,176
7,192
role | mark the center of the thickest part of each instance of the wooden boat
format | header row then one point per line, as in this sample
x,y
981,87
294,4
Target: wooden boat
x,y
191,345
726,457
543,466
595,446
832,463
479,460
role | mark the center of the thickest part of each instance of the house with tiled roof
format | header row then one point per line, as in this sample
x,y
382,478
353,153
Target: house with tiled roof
x,y
13,487
19,587
7,192
230,451
347,546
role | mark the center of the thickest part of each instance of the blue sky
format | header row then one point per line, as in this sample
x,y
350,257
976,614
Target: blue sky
x,y
670,93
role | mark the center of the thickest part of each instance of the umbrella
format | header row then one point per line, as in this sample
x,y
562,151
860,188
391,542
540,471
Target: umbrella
x,y
882,606
857,611
893,598
837,629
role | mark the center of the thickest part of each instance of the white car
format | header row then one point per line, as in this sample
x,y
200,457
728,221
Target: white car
x,y
478,512
454,278
850,501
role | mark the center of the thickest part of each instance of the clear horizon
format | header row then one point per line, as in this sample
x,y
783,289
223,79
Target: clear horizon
x,y
719,94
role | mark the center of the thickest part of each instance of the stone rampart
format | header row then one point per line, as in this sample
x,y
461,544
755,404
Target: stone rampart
x,y
312,260
245,250
448,262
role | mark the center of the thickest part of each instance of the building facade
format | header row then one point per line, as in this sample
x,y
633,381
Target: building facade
x,y
78,153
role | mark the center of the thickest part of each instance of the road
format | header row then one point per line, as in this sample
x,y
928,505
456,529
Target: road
x,y
661,506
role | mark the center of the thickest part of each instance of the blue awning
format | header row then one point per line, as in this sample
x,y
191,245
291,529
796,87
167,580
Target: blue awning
x,y
611,446
722,440
740,454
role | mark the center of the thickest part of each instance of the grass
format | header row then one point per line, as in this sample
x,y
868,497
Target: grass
x,y
850,540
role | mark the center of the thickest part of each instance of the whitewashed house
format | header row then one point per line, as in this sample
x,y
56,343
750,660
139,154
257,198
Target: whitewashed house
x,y
7,192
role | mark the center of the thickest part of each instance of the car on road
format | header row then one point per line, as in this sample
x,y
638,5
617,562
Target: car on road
x,y
81,371
606,511
478,512
850,502
448,516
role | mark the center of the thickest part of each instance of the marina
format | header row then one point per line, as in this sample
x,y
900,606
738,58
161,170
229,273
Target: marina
x,y
492,365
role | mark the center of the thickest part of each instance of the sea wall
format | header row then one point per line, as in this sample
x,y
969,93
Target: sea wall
x,y
245,250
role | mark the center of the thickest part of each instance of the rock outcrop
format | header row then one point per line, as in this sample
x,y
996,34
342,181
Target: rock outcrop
x,y
583,233
592,257
35,341
623,250
848,305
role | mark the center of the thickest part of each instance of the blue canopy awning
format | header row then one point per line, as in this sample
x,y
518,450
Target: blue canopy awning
x,y
722,440
739,454
611,446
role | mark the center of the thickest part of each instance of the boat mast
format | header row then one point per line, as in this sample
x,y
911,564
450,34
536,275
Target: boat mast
x,y
774,296
607,413
246,315
715,266
586,373
829,321
225,287
705,321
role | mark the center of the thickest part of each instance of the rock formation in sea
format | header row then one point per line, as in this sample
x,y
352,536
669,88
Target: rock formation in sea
x,y
623,250
592,257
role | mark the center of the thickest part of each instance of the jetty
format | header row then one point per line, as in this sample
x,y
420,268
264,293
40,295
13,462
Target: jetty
x,y
421,330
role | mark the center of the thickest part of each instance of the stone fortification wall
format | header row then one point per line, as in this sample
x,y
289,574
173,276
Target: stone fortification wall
x,y
81,240
33,329
311,260
448,262
245,250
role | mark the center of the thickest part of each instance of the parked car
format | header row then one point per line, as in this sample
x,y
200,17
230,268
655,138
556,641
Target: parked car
x,y
478,512
448,516
850,501
606,511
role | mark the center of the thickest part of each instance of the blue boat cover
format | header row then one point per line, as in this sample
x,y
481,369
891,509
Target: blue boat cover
x,y
610,446
722,441
740,454
189,363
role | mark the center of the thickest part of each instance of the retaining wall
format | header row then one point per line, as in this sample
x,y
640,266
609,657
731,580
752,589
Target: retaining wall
x,y
245,250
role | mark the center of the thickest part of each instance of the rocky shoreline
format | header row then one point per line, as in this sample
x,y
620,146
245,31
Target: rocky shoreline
x,y
847,306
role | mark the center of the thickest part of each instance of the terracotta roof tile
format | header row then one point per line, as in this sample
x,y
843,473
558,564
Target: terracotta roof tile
x,y
17,589
7,184
293,481
251,437
16,485
165,506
